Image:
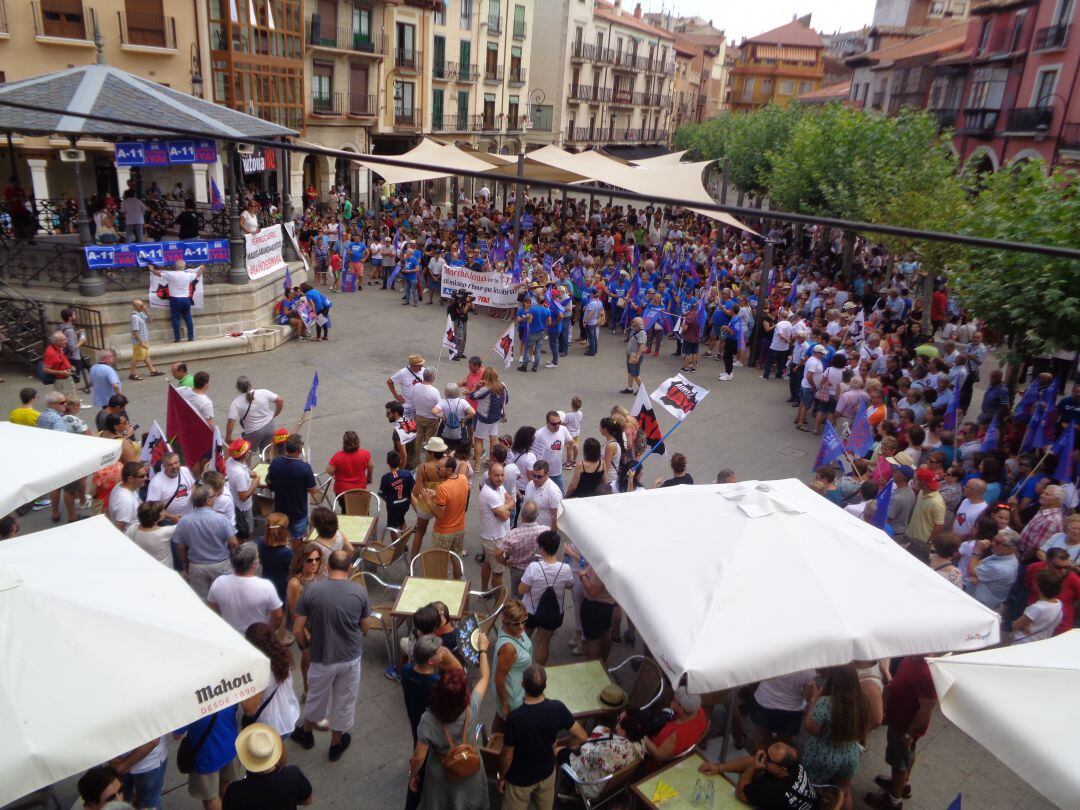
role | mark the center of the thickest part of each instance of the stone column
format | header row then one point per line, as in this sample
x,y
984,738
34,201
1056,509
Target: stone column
x,y
200,180
123,174
39,181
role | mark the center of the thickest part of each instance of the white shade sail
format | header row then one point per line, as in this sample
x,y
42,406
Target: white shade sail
x,y
427,151
40,461
1021,702
733,583
670,159
104,649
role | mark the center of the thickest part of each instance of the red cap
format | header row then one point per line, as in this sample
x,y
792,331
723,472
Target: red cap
x,y
926,478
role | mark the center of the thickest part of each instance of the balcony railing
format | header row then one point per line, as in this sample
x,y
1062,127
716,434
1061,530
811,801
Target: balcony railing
x,y
515,122
148,30
980,122
520,30
485,123
327,103
601,94
493,73
453,71
468,73
625,60
494,22
516,76
441,71
1029,119
1070,136
603,56
1051,38
581,92
61,21
622,97
363,105
407,118
408,59
946,119
323,34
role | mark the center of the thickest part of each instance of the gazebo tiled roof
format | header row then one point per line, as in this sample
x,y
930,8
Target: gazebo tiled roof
x,y
105,90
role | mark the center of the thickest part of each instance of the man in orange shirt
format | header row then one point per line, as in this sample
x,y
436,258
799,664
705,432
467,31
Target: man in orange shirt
x,y
448,504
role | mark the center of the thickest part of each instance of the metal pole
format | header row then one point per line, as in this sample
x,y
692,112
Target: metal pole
x,y
517,199
456,193
729,721
11,157
288,252
237,270
91,282
724,181
763,288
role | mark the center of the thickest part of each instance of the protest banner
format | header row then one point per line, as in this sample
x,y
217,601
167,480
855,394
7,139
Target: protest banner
x,y
263,252
495,290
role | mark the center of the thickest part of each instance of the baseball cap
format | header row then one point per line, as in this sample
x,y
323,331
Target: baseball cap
x,y
239,448
926,478
905,470
819,348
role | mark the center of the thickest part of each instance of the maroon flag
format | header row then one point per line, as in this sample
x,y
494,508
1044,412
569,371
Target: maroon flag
x,y
642,411
192,437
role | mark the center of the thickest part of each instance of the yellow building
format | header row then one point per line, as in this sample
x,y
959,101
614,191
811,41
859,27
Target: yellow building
x,y
155,39
777,66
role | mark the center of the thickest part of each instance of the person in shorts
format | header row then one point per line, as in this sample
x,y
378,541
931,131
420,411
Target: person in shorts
x,y
778,706
216,765
636,339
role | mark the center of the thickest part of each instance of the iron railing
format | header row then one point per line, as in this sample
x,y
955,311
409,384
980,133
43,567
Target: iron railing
x,y
408,59
485,123
1051,38
327,103
623,98
980,122
1070,136
363,104
148,30
493,73
946,119
516,76
1029,119
407,118
515,122
323,34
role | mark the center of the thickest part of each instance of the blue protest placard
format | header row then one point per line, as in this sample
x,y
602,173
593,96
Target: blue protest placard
x,y
130,153
181,152
99,257
526,221
205,151
147,253
124,256
218,251
155,153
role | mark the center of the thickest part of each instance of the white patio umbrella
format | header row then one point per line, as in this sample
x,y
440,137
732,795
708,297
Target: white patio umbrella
x,y
729,584
104,649
38,461
1021,703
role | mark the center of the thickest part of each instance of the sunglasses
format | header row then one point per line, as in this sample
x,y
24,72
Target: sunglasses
x,y
312,559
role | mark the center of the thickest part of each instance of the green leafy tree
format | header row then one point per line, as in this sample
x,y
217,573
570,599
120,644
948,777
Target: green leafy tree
x,y
1032,298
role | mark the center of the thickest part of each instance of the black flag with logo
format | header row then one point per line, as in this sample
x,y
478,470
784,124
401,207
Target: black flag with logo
x,y
642,411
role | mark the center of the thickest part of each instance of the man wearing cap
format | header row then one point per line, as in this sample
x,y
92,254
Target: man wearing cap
x,y
402,382
902,500
243,483
928,516
255,410
270,783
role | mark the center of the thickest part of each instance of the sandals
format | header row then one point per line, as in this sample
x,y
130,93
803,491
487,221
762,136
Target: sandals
x,y
134,377
157,373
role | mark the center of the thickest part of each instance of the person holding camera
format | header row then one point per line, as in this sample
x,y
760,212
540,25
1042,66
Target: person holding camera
x,y
459,308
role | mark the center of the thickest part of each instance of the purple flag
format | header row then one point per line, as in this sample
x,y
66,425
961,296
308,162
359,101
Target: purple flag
x,y
881,506
861,438
1063,449
992,438
831,447
313,394
286,283
950,412
1027,401
1035,435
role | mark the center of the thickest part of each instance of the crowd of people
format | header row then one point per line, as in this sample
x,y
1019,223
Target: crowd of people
x,y
977,493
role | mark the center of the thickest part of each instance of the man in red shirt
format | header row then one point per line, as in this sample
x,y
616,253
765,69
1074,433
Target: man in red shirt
x,y
1057,562
910,700
56,363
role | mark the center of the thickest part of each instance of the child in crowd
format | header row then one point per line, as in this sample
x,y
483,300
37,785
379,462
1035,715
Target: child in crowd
x,y
573,419
395,488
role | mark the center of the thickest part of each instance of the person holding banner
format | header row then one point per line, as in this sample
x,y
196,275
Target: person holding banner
x,y
180,287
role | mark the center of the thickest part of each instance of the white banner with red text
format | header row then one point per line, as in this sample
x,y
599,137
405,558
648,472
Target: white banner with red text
x,y
497,290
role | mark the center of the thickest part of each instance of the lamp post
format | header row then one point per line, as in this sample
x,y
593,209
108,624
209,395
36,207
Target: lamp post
x,y
196,72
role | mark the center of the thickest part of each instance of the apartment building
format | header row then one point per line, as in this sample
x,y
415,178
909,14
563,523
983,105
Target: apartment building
x,y
688,98
717,58
605,79
145,37
777,66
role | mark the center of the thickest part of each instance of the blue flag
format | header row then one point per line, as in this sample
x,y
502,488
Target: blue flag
x,y
1035,435
1063,450
637,255
1027,401
861,438
831,447
738,325
992,438
286,283
553,303
955,803
881,506
701,316
313,394
794,292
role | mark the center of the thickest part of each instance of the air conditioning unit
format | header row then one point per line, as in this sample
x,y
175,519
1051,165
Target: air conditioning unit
x,y
72,156
245,149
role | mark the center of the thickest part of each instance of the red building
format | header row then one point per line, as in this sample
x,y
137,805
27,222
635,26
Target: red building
x,y
1012,92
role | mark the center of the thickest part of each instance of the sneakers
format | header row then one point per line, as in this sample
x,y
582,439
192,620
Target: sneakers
x,y
724,377
391,673
882,801
337,750
551,365
305,739
737,364
885,783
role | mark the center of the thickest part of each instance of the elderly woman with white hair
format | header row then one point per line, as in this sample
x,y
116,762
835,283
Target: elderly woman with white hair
x,y
683,731
454,411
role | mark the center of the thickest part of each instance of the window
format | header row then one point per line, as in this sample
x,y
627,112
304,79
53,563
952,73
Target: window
x,y
599,42
491,61
787,87
361,23
440,16
145,22
984,36
63,18
1063,13
438,57
805,87
406,55
987,89
463,109
489,111
465,57
404,96
766,87
519,22
1044,88
437,108
322,87
512,121
1018,30
494,16
748,89
541,116
515,64
466,14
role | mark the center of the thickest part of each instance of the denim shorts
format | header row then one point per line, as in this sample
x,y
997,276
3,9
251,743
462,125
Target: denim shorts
x,y
806,396
298,528
144,789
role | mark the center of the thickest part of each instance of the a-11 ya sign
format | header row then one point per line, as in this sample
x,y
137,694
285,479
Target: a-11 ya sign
x,y
143,254
165,153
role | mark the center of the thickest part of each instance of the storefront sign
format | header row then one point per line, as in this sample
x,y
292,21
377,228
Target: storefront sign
x,y
165,153
262,162
143,254
496,290
263,252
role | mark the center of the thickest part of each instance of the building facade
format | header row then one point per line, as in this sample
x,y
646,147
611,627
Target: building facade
x,y
777,66
606,79
715,76
137,36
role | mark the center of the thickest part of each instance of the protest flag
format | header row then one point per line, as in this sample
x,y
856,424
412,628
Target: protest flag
x,y
1063,451
154,449
861,438
881,506
642,410
449,339
505,346
950,412
992,438
831,447
312,400
193,437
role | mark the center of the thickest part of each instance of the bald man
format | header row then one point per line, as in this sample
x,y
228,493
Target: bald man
x,y
969,510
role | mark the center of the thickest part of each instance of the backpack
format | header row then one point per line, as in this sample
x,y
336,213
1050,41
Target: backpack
x,y
463,759
451,423
548,614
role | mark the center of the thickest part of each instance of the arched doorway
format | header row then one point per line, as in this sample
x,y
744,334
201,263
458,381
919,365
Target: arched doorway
x,y
312,177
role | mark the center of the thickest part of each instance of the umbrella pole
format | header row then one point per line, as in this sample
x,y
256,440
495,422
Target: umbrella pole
x,y
729,721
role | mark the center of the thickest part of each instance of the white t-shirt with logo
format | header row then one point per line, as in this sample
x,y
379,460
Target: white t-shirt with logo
x,y
162,489
238,474
549,447
261,413
491,527
547,498
243,601
966,515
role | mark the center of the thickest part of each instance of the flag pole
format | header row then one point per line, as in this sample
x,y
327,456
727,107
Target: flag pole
x,y
662,440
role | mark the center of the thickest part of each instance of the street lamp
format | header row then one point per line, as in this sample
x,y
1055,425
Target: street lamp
x,y
196,72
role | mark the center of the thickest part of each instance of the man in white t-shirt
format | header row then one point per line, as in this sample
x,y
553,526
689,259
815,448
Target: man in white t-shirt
x,y
545,494
425,396
242,598
402,382
812,371
242,483
124,500
196,397
254,410
180,282
549,444
779,347
496,509
172,488
970,509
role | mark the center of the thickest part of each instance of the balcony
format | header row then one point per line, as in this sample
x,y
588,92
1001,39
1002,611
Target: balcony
x,y
62,20
515,122
603,56
493,73
468,73
622,98
520,30
625,61
444,71
363,105
581,52
581,92
516,76
1053,38
407,118
410,60
946,119
327,104
147,30
494,24
980,122
484,123
1029,119
1070,136
323,34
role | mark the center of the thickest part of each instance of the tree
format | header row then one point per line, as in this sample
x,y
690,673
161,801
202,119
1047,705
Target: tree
x,y
1032,298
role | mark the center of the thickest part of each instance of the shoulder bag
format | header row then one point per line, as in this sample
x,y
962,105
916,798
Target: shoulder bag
x,y
463,759
185,754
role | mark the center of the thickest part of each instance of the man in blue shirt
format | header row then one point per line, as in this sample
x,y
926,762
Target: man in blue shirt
x,y
104,380
216,764
358,254
291,480
411,272
538,322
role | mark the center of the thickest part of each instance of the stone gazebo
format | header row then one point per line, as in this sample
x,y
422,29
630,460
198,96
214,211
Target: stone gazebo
x,y
52,268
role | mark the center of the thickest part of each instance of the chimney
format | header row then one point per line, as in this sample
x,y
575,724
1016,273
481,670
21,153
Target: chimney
x,y
637,11
617,7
